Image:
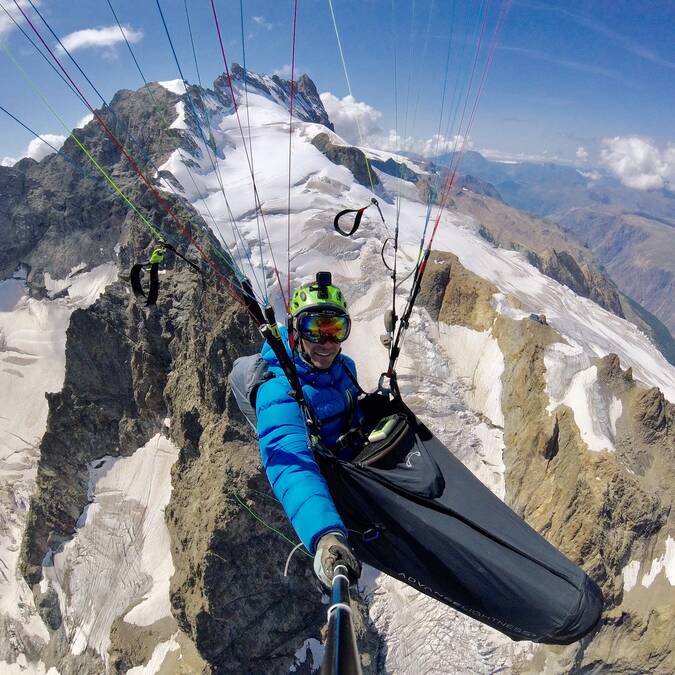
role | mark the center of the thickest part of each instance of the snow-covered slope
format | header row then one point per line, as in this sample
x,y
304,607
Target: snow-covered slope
x,y
119,556
32,362
116,568
450,375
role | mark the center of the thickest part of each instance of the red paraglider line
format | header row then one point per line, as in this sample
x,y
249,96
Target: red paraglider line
x,y
246,152
481,86
163,203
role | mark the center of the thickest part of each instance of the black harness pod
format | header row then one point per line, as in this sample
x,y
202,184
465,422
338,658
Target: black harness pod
x,y
415,512
426,520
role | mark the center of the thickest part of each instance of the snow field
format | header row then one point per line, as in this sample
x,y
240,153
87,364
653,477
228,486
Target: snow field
x,y
579,320
450,376
155,663
311,646
118,563
630,575
571,381
664,563
32,362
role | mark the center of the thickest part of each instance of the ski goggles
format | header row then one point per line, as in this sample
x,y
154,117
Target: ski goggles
x,y
321,327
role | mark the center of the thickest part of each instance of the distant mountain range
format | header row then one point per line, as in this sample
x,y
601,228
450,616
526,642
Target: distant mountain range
x,y
630,232
550,190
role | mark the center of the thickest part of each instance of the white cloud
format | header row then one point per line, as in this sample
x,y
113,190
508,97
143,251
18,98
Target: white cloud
x,y
262,22
436,145
38,150
84,121
6,24
108,36
354,120
582,153
591,175
284,71
639,163
8,161
513,157
358,123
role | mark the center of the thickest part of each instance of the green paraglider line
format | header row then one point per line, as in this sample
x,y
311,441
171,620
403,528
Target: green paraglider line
x,y
148,90
269,527
156,233
228,286
229,264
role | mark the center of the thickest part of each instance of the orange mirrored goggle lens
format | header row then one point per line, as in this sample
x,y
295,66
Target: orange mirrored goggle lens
x,y
318,327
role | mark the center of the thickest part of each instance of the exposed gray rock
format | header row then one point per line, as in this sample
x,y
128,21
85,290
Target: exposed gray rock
x,y
397,169
60,212
48,607
346,155
307,104
580,277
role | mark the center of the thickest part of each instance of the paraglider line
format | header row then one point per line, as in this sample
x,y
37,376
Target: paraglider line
x,y
227,260
210,152
164,204
290,146
246,152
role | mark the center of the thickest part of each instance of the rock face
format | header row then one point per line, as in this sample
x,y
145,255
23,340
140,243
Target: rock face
x,y
307,104
128,369
58,213
348,156
452,294
602,509
397,169
228,592
636,250
581,278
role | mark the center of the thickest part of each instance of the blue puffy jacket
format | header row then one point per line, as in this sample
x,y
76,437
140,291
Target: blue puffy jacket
x,y
284,448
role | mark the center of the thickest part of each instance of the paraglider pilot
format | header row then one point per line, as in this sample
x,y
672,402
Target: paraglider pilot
x,y
319,323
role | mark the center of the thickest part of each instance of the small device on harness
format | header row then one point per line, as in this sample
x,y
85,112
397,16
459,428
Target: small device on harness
x,y
384,428
384,439
151,266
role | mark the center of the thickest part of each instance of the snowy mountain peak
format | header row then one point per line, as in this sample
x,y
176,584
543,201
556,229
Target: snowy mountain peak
x,y
307,105
101,480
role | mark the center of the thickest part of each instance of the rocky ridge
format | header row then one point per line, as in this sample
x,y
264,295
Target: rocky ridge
x,y
601,509
127,370
637,251
348,156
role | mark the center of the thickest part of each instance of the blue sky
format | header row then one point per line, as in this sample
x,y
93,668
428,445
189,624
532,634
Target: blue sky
x,y
566,76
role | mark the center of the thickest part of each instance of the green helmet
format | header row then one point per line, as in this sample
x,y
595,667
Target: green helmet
x,y
318,296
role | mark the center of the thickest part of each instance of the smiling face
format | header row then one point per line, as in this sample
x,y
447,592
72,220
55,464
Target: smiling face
x,y
321,354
